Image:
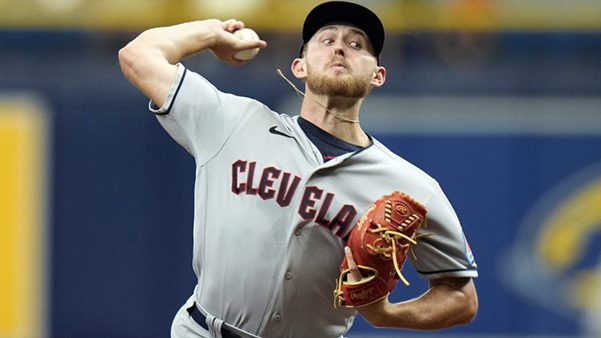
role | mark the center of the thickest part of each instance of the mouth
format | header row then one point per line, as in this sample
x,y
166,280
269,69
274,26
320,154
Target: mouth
x,y
338,65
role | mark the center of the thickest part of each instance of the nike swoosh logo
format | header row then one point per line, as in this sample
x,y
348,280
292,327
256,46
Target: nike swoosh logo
x,y
274,130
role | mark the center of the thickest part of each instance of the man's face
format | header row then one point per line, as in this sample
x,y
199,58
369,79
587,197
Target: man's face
x,y
340,62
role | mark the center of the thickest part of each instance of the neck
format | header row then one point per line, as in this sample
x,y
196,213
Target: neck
x,y
337,116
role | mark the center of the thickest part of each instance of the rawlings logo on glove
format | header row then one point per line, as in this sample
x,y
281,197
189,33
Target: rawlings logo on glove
x,y
380,242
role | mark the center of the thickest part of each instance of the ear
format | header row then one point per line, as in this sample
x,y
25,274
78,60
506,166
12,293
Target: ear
x,y
378,77
299,68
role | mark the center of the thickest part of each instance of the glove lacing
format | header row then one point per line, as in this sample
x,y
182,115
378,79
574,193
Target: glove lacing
x,y
389,251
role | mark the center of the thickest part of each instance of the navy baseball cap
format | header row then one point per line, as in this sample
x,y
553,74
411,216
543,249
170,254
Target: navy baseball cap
x,y
345,12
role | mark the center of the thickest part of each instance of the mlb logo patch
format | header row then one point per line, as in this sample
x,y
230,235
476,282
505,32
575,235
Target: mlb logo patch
x,y
468,252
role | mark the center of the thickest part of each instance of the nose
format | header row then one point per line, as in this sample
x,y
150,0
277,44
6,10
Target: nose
x,y
339,48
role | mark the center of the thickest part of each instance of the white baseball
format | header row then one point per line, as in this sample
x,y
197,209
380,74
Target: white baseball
x,y
246,34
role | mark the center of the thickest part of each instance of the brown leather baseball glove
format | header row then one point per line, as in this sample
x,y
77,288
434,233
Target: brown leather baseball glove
x,y
379,241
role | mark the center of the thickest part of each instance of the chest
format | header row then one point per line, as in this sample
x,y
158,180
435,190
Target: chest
x,y
285,183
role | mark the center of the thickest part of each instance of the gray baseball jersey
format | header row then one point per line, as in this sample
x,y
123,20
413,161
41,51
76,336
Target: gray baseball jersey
x,y
271,217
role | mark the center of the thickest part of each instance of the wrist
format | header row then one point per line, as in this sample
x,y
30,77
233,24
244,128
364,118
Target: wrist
x,y
196,36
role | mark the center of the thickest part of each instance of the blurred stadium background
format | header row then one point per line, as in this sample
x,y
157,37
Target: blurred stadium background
x,y
499,100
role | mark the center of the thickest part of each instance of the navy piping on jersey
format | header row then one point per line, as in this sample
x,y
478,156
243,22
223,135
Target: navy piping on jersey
x,y
329,145
175,94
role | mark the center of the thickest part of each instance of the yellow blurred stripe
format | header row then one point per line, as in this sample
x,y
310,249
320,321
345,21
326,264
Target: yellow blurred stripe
x,y
8,230
288,15
568,232
22,219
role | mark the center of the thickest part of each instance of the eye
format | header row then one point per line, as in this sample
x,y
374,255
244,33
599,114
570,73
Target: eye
x,y
355,44
327,41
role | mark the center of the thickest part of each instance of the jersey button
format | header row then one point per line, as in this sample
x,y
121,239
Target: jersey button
x,y
276,317
288,275
297,232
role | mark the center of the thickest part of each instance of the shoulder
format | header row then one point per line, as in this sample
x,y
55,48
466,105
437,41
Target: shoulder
x,y
402,175
205,89
389,158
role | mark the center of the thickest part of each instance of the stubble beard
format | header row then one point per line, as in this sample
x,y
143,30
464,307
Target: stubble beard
x,y
342,85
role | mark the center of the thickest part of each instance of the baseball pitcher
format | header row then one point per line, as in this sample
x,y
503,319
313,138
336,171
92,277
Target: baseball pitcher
x,y
301,220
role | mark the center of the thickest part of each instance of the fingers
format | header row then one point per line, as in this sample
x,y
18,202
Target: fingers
x,y
232,25
240,45
355,274
227,44
249,44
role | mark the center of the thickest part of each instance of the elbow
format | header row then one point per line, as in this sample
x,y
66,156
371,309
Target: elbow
x,y
470,308
465,303
134,62
135,55
127,60
124,56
